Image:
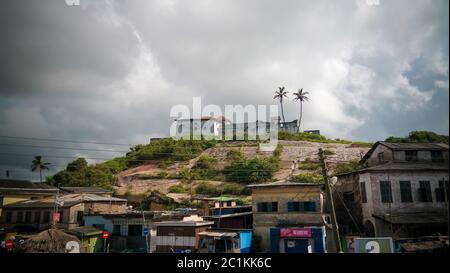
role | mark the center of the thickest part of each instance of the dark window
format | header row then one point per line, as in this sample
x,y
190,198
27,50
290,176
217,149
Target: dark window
x,y
363,192
180,129
301,206
349,197
61,216
386,191
37,217
134,230
28,217
425,191
381,157
229,203
1,201
405,191
19,217
8,217
116,230
80,219
440,192
411,155
437,156
267,207
46,217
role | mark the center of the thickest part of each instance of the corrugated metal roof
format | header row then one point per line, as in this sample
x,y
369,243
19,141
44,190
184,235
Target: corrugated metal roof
x,y
69,200
415,146
413,218
85,190
427,245
408,166
217,234
283,184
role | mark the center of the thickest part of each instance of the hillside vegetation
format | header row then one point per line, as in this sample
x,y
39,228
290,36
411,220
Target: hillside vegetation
x,y
180,165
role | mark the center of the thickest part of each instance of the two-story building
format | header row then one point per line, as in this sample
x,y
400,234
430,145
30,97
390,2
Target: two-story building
x,y
401,191
289,217
12,191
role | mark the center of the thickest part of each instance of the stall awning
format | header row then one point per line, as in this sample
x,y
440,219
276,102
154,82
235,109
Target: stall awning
x,y
413,218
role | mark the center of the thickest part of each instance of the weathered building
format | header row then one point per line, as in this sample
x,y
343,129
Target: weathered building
x,y
12,191
219,127
38,214
401,191
128,230
289,217
180,236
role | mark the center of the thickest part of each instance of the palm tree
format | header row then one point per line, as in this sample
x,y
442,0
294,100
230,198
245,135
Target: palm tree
x,y
280,94
39,163
301,97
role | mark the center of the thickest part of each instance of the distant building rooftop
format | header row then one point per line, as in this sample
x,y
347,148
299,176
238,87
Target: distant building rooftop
x,y
284,184
69,200
25,187
85,190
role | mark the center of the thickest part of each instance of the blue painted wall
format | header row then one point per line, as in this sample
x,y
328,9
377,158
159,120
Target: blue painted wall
x,y
245,238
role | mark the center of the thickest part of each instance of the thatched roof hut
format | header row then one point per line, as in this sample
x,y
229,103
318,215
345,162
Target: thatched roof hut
x,y
48,241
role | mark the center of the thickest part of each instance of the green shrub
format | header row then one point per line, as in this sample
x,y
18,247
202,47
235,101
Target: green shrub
x,y
234,155
177,189
207,188
168,149
205,162
311,166
347,167
307,178
328,152
420,136
251,170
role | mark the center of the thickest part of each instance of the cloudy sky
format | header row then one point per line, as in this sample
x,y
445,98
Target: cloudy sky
x,y
109,71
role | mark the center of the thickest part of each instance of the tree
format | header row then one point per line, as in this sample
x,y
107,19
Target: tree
x,y
280,94
301,97
39,164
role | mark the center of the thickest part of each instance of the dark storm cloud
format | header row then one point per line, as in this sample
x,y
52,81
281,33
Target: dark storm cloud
x,y
111,70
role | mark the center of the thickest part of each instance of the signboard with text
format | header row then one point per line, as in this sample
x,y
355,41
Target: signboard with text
x,y
105,235
56,217
296,232
374,245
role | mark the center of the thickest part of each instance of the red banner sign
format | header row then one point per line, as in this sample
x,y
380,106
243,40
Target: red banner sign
x,y
56,217
9,244
105,235
296,232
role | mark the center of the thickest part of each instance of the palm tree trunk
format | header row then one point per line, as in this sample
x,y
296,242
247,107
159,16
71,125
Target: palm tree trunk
x,y
282,112
40,174
301,115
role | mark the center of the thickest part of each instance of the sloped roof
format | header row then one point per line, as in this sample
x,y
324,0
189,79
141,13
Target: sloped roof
x,y
413,218
12,184
406,147
69,200
85,190
408,166
415,146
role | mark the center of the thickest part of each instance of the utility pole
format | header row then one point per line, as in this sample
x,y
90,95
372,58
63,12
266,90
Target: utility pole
x,y
337,240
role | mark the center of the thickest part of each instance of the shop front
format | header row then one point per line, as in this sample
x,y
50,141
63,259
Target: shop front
x,y
298,240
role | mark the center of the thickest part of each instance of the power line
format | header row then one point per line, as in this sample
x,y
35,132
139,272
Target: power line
x,y
65,140
62,148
